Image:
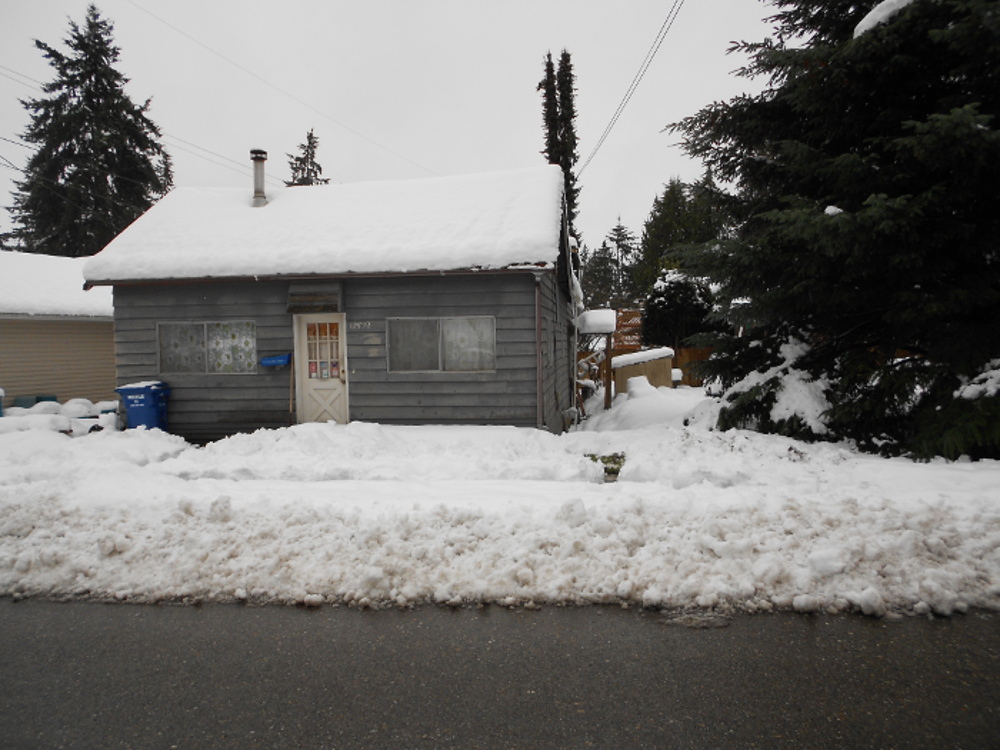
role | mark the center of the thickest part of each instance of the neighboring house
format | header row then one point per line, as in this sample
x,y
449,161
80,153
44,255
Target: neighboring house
x,y
444,300
55,338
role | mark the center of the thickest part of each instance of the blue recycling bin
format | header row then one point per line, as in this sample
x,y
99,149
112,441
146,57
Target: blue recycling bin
x,y
145,404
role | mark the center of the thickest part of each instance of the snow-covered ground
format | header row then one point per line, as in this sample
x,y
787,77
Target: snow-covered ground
x,y
374,515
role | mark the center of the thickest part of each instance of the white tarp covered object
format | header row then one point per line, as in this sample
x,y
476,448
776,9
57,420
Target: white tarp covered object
x,y
596,322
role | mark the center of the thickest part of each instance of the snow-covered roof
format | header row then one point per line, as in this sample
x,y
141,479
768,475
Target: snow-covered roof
x,y
45,285
638,358
485,221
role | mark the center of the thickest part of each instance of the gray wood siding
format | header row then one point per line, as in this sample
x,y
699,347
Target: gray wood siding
x,y
62,358
558,356
505,396
206,407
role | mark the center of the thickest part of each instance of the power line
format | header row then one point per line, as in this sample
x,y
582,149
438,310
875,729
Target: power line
x,y
33,83
226,163
233,164
283,92
637,79
52,183
207,151
22,144
223,164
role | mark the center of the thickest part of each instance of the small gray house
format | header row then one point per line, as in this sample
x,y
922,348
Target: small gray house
x,y
433,301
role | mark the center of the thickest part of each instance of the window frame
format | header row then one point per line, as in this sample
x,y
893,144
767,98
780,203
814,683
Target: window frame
x,y
441,355
205,347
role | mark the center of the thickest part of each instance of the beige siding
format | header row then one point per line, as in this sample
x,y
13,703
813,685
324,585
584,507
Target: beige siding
x,y
64,358
659,373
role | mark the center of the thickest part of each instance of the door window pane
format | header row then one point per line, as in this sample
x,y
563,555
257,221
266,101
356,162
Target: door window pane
x,y
323,344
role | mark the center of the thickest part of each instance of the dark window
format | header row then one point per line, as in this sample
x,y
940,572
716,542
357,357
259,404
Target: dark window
x,y
442,344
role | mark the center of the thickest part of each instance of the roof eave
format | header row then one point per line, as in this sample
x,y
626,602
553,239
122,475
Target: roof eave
x,y
516,269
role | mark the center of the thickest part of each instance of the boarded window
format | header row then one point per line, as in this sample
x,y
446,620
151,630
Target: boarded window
x,y
215,348
182,347
467,344
413,344
442,344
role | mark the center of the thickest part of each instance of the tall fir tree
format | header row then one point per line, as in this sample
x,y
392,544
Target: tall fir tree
x,y
625,250
304,167
684,214
568,152
607,272
599,277
558,87
550,110
98,163
866,178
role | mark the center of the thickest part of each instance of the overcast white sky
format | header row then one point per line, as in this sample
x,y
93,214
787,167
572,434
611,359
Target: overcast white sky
x,y
399,89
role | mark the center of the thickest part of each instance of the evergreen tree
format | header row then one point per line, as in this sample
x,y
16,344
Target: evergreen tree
x,y
559,122
304,167
98,164
624,250
866,179
550,111
607,272
676,308
599,278
568,153
683,215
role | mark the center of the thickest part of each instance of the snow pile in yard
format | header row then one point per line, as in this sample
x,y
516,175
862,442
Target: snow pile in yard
x,y
43,285
78,416
374,515
644,405
473,221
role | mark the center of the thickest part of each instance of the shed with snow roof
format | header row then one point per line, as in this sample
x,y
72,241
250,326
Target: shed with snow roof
x,y
55,339
433,301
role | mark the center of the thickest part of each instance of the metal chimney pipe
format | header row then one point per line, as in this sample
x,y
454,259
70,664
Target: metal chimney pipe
x,y
258,157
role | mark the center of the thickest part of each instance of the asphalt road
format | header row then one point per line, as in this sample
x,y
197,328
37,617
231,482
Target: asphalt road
x,y
84,675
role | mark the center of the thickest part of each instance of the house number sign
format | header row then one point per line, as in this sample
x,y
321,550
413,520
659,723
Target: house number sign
x,y
360,325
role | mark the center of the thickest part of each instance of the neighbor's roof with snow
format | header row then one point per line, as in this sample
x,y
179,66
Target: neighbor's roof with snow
x,y
484,221
45,285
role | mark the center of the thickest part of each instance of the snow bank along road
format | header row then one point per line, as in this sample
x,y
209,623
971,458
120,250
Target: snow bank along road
x,y
373,515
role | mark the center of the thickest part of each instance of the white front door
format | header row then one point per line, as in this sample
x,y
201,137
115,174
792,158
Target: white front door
x,y
321,367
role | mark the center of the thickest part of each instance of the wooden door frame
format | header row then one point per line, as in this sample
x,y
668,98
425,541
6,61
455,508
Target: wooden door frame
x,y
300,359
